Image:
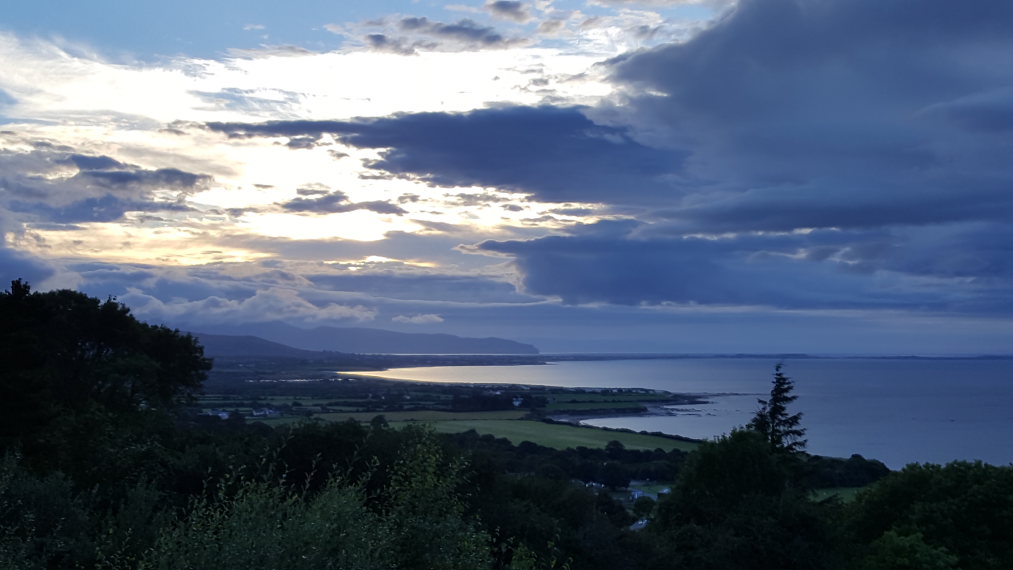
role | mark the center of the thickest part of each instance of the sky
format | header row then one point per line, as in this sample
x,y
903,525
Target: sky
x,y
688,176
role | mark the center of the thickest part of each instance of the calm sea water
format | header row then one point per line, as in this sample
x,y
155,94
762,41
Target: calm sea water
x,y
898,411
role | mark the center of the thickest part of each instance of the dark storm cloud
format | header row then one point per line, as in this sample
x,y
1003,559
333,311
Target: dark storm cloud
x,y
830,270
977,254
850,154
557,154
850,202
834,113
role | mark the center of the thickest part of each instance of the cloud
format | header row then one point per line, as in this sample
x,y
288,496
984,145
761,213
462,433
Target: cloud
x,y
402,284
509,10
57,185
551,26
385,43
658,2
272,304
106,208
260,101
853,113
988,111
557,154
86,162
464,31
18,265
338,202
58,169
632,264
161,178
804,155
410,34
423,319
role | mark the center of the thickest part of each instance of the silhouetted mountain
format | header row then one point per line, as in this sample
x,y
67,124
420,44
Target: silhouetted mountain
x,y
370,341
217,345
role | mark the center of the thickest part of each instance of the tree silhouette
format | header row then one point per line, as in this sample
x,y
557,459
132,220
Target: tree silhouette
x,y
64,354
782,430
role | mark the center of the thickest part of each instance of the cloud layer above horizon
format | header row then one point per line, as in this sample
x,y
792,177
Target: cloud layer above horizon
x,y
759,176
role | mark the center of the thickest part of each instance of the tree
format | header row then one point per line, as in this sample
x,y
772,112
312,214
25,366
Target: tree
x,y
961,509
65,356
734,506
781,429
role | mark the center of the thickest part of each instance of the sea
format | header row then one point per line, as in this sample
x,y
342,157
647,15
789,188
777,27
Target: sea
x,y
896,410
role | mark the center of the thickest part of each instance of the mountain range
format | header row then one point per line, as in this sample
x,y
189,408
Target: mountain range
x,y
283,340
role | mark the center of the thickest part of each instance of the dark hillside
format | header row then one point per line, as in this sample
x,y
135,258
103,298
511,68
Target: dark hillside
x,y
216,345
374,341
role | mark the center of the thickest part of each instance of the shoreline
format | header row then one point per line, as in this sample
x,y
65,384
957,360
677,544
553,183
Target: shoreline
x,y
653,408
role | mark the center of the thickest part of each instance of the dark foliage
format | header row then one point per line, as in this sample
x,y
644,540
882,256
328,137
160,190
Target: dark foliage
x,y
963,510
782,430
80,377
102,469
855,471
736,505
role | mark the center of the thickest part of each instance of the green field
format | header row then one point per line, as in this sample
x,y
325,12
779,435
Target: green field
x,y
423,416
559,436
398,418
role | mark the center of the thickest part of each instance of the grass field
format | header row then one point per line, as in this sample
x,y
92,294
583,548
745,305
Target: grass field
x,y
423,416
507,424
558,436
396,418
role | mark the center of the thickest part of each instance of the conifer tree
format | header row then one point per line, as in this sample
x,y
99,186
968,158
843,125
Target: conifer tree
x,y
782,430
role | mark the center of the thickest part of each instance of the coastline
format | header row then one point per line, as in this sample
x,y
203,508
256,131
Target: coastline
x,y
642,407
851,404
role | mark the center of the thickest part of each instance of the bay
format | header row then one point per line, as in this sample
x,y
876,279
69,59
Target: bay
x,y
899,411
